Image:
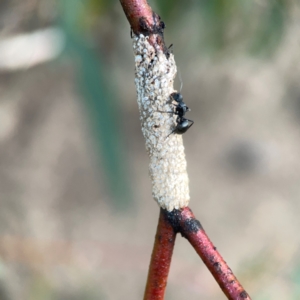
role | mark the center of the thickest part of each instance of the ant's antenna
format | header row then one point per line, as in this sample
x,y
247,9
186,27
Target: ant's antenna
x,y
180,79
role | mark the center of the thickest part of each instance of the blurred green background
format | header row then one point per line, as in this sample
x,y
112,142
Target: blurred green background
x,y
77,219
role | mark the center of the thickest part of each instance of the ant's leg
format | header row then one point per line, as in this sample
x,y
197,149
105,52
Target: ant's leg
x,y
166,112
171,132
178,120
169,112
192,122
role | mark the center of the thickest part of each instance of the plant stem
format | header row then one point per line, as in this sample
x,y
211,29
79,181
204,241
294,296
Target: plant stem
x,y
193,231
160,259
143,20
135,10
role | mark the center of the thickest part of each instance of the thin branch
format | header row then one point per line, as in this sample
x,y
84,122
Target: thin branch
x,y
160,259
143,20
185,222
136,10
155,70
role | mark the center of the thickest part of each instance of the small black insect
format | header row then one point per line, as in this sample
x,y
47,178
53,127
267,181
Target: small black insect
x,y
180,106
183,124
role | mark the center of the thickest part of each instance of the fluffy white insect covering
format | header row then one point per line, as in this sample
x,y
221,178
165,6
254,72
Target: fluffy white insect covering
x,y
154,78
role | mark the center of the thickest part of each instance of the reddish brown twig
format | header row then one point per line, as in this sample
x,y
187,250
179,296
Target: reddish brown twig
x,y
135,10
192,230
160,260
184,221
143,19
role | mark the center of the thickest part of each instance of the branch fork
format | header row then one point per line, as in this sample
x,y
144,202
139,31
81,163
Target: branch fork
x,y
155,70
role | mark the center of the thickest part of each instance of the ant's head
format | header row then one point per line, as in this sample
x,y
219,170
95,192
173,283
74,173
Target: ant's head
x,y
177,97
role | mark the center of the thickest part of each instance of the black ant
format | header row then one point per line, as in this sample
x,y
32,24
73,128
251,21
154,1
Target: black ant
x,y
183,124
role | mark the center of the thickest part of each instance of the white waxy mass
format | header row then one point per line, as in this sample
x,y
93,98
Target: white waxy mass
x,y
154,78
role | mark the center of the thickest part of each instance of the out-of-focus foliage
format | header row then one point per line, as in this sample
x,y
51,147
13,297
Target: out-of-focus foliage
x,y
222,26
252,26
256,26
58,238
295,276
99,98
